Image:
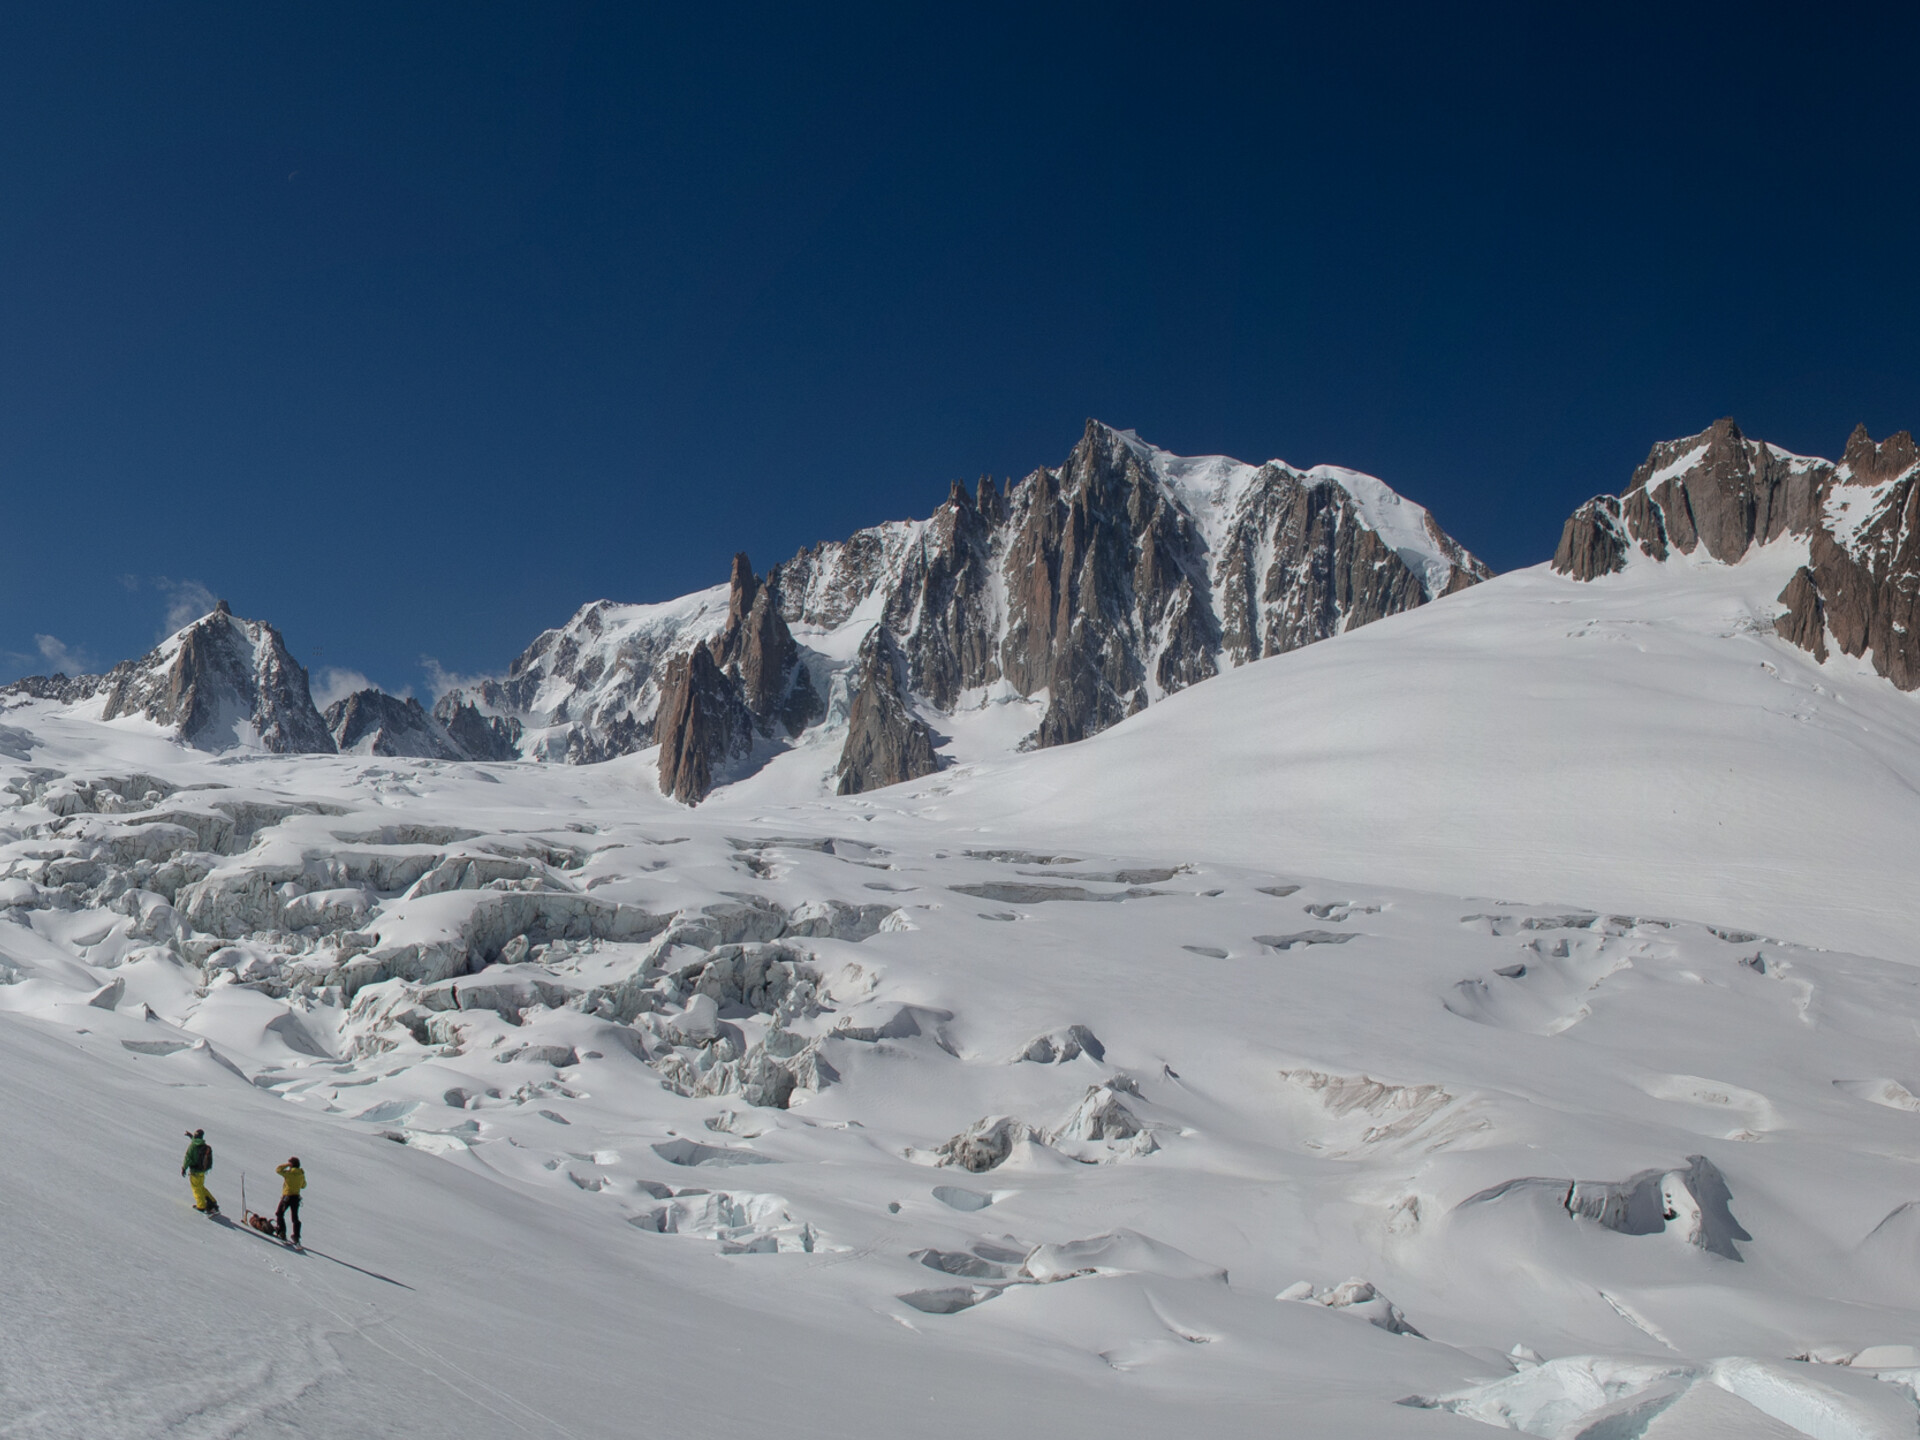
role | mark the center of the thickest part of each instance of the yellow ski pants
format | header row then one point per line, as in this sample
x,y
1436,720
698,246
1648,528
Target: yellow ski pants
x,y
201,1199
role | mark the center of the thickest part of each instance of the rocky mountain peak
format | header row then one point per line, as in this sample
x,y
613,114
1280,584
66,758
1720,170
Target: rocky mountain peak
x,y
1101,585
218,683
480,736
372,722
1871,464
758,651
1859,591
703,725
989,501
1718,489
742,586
588,690
886,742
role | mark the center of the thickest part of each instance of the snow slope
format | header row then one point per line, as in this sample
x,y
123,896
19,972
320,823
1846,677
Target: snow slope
x,y
1536,1166
1643,741
435,1301
1058,1094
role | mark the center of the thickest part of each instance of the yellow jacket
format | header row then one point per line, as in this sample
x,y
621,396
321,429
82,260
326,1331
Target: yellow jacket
x,y
293,1178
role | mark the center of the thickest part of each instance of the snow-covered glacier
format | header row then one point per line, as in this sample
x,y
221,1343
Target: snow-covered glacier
x,y
1500,1015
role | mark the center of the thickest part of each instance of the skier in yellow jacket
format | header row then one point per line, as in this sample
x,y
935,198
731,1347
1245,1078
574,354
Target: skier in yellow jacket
x,y
292,1181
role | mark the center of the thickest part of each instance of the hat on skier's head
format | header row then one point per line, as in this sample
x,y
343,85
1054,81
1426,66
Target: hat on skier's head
x,y
294,1160
199,1134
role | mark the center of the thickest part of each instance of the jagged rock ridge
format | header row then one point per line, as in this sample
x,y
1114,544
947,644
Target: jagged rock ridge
x,y
218,683
886,742
372,722
1090,590
1724,493
1125,575
748,681
1122,576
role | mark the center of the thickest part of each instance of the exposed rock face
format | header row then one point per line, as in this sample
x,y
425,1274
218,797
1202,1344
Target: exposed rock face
x,y
218,683
1726,493
372,722
62,689
703,725
748,681
758,653
1127,574
589,690
1805,622
480,737
1865,557
1106,584
886,742
1593,541
1101,564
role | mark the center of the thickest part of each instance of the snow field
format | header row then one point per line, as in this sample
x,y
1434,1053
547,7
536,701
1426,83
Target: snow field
x,y
1643,742
1056,1092
1059,1125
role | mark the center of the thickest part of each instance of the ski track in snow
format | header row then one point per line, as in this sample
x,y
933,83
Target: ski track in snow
x,y
1079,1073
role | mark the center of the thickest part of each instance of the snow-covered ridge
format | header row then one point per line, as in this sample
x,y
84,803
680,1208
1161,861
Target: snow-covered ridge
x,y
1060,1092
1089,591
1214,489
898,1091
1717,496
590,688
219,683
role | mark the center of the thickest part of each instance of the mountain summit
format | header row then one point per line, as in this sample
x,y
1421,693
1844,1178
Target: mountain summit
x,y
1084,593
218,683
1724,494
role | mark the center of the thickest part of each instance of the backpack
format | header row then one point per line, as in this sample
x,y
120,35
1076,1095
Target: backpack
x,y
206,1156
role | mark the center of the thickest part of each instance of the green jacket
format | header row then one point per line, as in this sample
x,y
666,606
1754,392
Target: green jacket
x,y
199,1159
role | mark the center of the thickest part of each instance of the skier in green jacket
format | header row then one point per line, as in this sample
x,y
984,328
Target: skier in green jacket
x,y
198,1162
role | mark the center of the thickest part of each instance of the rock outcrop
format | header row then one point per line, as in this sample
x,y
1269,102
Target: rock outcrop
x,y
1106,584
480,737
1723,493
587,691
886,742
372,722
758,652
1594,541
218,683
1805,623
1125,575
748,682
703,726
1865,558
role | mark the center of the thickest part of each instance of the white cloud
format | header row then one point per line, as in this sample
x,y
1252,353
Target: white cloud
x,y
67,660
187,601
334,682
440,679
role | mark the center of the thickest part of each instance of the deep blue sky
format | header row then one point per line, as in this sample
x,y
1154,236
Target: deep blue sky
x,y
412,327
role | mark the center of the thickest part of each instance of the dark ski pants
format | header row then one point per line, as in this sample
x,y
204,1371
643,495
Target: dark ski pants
x,y
289,1205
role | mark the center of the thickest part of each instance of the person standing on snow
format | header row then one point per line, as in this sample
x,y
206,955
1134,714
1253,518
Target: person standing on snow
x,y
292,1181
198,1162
